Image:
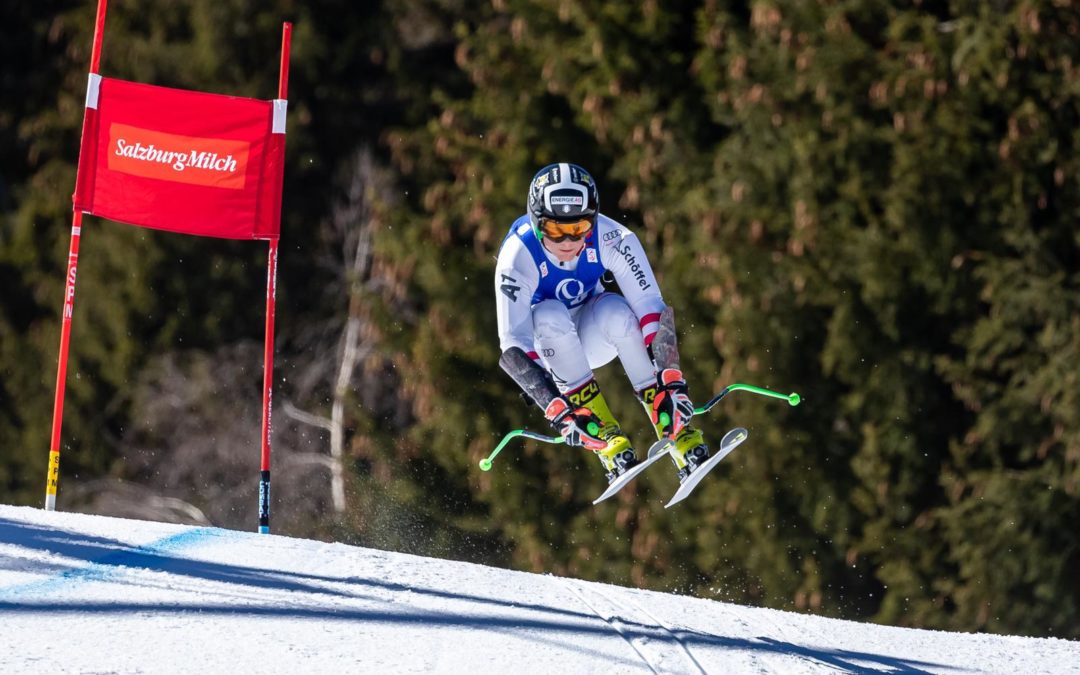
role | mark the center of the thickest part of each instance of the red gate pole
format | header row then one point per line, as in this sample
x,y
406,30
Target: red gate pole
x,y
52,477
271,298
268,388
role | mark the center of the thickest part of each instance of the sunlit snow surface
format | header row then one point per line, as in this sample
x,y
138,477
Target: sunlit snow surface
x,y
87,594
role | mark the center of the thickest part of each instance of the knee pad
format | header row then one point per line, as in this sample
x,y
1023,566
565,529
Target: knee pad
x,y
551,319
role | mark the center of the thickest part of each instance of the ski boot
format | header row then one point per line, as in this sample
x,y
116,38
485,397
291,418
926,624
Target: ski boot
x,y
618,456
690,450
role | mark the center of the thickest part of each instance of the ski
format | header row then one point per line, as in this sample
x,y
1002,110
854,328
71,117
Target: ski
x,y
656,451
731,440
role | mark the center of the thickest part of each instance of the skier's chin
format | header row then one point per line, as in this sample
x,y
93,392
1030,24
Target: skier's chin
x,y
566,251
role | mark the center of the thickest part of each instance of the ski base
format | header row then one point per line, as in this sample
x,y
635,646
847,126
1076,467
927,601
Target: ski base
x,y
731,440
656,451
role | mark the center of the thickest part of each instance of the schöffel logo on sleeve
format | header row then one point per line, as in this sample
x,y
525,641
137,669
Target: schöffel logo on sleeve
x,y
212,162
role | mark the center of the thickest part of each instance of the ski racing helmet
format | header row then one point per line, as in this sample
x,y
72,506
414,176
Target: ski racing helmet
x,y
563,194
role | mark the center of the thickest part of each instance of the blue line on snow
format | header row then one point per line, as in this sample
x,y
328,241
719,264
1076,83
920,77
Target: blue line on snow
x,y
109,566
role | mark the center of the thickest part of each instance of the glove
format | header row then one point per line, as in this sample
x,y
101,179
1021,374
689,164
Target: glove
x,y
579,426
672,402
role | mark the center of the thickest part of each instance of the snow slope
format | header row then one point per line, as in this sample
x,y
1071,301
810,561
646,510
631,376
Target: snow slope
x,y
88,594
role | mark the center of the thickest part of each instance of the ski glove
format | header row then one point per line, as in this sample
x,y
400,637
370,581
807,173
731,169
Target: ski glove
x,y
579,426
672,408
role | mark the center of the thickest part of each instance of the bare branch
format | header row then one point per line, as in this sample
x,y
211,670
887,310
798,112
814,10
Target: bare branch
x,y
306,417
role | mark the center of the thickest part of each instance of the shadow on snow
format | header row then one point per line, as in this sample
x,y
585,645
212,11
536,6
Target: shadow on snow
x,y
109,560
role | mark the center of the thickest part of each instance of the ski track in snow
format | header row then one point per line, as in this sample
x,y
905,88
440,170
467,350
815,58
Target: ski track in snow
x,y
638,644
756,662
672,636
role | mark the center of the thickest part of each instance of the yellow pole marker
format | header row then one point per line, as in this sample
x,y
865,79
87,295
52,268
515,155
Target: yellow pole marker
x,y
52,480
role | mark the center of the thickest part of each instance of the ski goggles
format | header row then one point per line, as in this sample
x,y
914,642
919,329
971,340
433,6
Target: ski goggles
x,y
560,231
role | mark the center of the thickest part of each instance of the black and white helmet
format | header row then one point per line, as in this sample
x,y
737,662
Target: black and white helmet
x,y
562,192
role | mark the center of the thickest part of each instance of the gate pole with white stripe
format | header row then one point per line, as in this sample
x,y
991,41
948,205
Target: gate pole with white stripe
x,y
278,135
52,478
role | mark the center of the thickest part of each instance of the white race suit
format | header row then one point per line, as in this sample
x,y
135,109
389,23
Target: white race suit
x,y
559,314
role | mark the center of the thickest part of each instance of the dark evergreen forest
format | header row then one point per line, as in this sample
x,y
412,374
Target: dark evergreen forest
x,y
874,204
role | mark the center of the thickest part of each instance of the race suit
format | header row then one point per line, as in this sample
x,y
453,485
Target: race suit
x,y
560,315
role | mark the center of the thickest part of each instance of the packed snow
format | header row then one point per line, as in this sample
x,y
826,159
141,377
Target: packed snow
x,y
88,594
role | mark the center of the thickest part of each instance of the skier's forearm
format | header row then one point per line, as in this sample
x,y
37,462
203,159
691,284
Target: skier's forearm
x,y
665,346
532,378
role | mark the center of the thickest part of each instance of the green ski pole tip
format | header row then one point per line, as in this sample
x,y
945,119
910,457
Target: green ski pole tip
x,y
485,464
793,399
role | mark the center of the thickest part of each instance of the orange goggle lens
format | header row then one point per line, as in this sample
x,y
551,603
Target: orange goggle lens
x,y
556,231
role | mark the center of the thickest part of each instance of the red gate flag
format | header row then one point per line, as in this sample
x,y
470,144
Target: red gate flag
x,y
183,161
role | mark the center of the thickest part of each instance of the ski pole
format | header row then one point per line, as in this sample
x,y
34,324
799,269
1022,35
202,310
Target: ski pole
x,y
485,464
793,399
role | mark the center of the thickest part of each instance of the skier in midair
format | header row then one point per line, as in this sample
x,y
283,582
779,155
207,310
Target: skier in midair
x,y
557,323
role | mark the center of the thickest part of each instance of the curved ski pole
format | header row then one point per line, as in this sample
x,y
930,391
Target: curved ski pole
x,y
485,464
793,399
